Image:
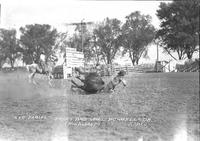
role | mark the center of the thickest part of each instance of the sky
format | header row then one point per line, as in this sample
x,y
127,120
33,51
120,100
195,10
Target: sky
x,y
17,13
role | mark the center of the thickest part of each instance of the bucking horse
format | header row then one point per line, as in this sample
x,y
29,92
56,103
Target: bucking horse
x,y
35,68
93,83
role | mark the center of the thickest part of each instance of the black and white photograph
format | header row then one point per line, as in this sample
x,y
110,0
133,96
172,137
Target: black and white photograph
x,y
99,70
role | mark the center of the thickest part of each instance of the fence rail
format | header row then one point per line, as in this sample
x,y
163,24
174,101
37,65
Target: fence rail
x,y
127,69
189,67
108,71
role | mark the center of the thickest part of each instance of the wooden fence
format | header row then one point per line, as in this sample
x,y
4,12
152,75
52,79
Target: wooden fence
x,y
108,71
139,68
192,66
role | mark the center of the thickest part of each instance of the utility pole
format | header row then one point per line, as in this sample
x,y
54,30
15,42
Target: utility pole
x,y
157,59
157,53
82,36
81,24
0,15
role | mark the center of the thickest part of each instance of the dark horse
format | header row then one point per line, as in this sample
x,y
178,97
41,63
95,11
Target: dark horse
x,y
93,83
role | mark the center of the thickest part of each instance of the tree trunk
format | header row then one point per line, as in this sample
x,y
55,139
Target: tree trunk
x,y
133,61
108,60
179,56
31,59
12,63
1,63
189,55
132,57
137,61
180,53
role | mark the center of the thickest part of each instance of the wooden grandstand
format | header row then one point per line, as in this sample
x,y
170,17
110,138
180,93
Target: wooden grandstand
x,y
192,66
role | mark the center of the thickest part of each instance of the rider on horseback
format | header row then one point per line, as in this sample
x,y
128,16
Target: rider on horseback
x,y
42,61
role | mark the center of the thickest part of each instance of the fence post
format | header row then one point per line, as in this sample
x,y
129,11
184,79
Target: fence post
x,y
113,70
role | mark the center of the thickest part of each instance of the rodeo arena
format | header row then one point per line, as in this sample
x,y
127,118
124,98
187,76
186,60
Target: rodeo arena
x,y
53,92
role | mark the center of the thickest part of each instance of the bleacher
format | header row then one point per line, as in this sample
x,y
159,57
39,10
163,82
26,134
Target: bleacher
x,y
191,66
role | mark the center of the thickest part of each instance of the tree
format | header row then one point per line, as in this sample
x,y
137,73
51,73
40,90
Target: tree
x,y
96,53
9,46
158,42
1,61
107,36
2,57
61,42
179,27
137,33
81,41
36,39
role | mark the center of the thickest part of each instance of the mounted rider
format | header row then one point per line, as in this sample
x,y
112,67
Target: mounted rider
x,y
42,61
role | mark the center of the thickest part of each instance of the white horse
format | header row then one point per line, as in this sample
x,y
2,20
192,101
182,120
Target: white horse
x,y
34,68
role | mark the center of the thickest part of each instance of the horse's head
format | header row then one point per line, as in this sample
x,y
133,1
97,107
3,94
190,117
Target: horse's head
x,y
79,70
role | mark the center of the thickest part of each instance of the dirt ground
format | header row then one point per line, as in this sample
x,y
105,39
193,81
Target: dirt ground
x,y
153,107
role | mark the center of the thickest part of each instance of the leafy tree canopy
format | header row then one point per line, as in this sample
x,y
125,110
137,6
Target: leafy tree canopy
x,y
9,46
137,33
81,41
179,27
107,38
36,39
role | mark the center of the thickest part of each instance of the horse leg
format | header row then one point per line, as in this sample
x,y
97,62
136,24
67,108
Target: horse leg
x,y
77,86
50,82
82,80
50,77
29,78
32,78
29,75
101,89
